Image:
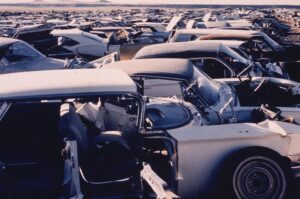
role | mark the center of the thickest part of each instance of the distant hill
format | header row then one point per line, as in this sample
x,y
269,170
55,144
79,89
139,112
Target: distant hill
x,y
104,1
107,3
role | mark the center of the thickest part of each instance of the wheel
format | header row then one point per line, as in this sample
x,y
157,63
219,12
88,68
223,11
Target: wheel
x,y
260,177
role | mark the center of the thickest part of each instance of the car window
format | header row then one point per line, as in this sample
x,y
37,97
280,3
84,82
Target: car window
x,y
64,41
260,45
20,52
163,88
160,28
213,68
234,60
207,87
270,41
263,45
146,29
183,37
241,52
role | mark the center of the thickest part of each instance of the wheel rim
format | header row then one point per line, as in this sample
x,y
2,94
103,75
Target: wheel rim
x,y
258,178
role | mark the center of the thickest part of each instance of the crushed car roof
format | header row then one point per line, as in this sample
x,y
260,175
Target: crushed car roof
x,y
63,82
173,68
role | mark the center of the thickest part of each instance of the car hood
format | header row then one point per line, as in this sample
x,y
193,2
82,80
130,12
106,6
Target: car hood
x,y
46,63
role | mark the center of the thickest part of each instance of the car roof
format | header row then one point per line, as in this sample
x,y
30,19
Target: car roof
x,y
229,43
229,36
171,68
217,31
64,82
74,31
5,41
147,24
184,49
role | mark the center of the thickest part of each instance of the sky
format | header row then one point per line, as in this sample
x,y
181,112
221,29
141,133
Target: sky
x,y
259,2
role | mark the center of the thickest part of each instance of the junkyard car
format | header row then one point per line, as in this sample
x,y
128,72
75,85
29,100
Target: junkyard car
x,y
87,132
214,58
257,44
73,42
229,98
18,56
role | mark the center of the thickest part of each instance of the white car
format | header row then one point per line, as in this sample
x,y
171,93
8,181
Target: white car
x,y
78,42
88,133
19,56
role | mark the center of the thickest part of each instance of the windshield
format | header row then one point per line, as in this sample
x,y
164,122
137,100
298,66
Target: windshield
x,y
233,59
160,28
241,52
16,52
206,87
271,42
233,54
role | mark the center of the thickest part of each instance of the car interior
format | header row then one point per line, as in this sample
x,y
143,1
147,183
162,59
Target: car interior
x,y
30,148
34,133
270,97
265,92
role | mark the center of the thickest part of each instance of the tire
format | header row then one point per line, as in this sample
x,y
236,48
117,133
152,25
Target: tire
x,y
256,176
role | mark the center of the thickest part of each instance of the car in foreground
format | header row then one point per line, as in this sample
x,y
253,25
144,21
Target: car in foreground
x,y
88,133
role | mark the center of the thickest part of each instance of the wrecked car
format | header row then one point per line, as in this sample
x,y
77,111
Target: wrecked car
x,y
88,133
259,46
267,45
73,42
212,57
106,141
18,56
157,31
180,78
272,27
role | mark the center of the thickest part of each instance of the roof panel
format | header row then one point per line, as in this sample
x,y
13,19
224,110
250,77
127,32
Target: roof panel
x,y
4,41
62,82
176,68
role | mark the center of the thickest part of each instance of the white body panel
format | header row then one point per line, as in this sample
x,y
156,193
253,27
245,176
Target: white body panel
x,y
202,150
62,82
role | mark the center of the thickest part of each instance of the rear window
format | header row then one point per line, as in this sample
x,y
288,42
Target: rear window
x,y
183,37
